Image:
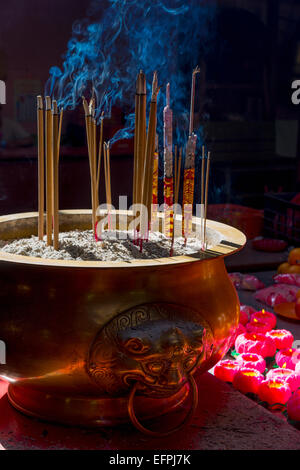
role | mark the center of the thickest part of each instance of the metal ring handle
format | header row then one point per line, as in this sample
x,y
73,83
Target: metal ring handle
x,y
193,390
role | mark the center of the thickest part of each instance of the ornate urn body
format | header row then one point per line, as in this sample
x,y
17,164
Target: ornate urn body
x,y
94,343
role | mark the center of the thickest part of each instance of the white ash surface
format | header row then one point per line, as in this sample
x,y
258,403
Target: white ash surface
x,y
81,246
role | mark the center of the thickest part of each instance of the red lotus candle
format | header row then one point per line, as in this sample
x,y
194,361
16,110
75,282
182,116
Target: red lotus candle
x,y
256,343
287,375
265,317
226,370
274,391
288,358
240,329
283,338
256,326
245,312
293,406
252,361
247,380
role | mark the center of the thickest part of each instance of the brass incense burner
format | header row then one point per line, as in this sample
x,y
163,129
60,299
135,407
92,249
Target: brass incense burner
x,y
95,343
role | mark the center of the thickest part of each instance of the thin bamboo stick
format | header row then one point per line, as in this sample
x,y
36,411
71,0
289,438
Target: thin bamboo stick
x,y
60,128
49,169
41,167
99,157
141,139
202,194
149,156
136,137
106,154
168,166
176,192
94,169
88,125
206,196
55,139
191,126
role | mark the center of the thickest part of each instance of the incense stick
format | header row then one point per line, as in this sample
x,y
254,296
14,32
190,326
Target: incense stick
x,y
99,157
149,156
41,167
141,137
176,193
191,127
60,128
55,141
49,169
189,172
206,196
168,166
88,110
202,194
106,155
155,184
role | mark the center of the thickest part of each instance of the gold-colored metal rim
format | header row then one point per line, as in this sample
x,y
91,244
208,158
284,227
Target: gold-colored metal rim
x,y
194,393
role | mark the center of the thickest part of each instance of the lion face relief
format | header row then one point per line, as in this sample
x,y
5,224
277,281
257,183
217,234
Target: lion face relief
x,y
153,345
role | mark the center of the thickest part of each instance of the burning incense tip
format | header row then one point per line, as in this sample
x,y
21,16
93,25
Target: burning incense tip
x,y
40,102
141,83
54,107
196,70
48,103
85,106
168,95
155,88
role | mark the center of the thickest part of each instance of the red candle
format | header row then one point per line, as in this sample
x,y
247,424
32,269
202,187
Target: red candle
x,y
287,375
240,329
293,406
283,338
252,361
288,358
245,312
274,391
226,370
257,326
247,380
265,317
256,343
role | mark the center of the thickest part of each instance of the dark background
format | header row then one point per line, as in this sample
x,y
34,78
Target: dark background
x,y
244,101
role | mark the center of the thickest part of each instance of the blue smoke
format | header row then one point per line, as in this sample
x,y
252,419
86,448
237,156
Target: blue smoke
x,y
120,37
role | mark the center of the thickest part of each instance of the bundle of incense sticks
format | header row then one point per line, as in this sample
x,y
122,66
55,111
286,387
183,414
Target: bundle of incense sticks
x,y
49,137
148,165
94,155
168,166
189,172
